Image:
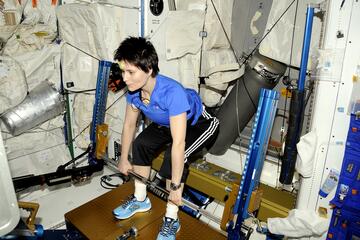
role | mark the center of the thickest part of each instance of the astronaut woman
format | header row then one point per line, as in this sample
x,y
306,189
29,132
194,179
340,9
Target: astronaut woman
x,y
179,122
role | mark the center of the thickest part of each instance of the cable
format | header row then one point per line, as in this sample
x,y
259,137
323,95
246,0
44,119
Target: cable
x,y
237,120
237,112
248,93
118,5
105,112
282,136
59,144
289,71
255,48
62,167
202,40
105,180
271,28
293,35
88,90
67,91
247,57
82,154
79,49
257,45
311,88
226,35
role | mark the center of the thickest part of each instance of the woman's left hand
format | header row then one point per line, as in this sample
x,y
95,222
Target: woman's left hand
x,y
175,197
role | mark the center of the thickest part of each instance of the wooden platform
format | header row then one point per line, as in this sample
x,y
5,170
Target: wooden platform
x,y
94,220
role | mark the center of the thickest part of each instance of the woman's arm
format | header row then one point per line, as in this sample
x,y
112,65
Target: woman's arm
x,y
178,133
131,116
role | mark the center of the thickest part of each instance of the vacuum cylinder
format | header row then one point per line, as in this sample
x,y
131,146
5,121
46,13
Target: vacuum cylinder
x,y
261,72
43,103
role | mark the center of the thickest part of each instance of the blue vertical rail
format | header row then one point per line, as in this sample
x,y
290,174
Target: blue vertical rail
x,y
142,18
100,103
264,120
306,47
297,108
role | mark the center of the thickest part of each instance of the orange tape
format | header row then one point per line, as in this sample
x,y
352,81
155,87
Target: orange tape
x,y
285,93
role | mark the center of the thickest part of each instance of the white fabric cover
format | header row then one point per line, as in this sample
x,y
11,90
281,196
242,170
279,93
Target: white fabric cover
x,y
216,36
40,65
299,223
277,43
96,29
189,70
28,38
83,110
209,96
13,86
87,26
33,59
220,67
37,29
218,63
306,148
182,33
220,60
185,24
191,4
45,136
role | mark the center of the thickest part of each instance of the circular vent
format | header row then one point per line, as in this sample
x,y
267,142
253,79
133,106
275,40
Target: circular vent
x,y
156,7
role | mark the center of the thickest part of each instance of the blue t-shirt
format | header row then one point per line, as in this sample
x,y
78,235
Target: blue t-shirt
x,y
169,98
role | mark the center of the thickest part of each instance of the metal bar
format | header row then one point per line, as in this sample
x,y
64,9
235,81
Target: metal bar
x,y
100,103
306,47
263,123
142,18
119,5
166,193
184,201
100,97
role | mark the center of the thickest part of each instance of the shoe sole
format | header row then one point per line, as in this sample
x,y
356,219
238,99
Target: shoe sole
x,y
178,229
136,211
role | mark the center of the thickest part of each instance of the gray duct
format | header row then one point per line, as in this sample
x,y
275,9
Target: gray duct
x,y
41,104
261,72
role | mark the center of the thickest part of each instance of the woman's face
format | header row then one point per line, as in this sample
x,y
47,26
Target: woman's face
x,y
134,77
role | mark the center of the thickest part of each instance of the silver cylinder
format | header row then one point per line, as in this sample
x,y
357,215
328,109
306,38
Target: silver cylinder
x,y
43,103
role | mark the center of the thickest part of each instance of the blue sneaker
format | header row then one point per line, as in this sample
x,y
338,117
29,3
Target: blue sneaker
x,y
131,206
169,229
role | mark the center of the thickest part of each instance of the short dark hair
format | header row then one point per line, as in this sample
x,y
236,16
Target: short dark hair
x,y
139,52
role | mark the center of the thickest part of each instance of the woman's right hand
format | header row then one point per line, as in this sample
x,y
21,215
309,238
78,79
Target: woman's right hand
x,y
124,166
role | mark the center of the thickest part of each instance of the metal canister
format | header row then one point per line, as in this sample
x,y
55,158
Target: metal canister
x,y
42,103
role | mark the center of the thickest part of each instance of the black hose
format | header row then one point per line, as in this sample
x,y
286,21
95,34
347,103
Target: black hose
x,y
296,118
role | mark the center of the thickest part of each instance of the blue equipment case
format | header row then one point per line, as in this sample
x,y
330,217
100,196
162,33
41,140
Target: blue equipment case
x,y
345,221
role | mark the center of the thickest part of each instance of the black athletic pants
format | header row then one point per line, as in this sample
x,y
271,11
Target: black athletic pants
x,y
155,137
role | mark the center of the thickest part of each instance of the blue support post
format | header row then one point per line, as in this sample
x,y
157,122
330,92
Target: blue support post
x,y
100,103
142,19
261,132
306,47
